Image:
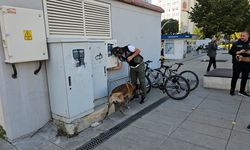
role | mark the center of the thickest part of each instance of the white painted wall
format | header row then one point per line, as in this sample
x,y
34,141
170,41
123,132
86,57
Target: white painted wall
x,y
24,101
139,27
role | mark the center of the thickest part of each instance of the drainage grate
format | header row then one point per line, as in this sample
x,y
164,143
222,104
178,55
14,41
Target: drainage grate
x,y
107,134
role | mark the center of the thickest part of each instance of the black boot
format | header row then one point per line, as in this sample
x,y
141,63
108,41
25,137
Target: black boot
x,y
142,100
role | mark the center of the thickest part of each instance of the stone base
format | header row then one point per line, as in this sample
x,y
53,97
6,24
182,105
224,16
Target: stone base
x,y
220,78
223,83
73,128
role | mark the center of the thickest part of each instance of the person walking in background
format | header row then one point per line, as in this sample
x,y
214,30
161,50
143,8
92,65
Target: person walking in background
x,y
212,47
198,49
238,48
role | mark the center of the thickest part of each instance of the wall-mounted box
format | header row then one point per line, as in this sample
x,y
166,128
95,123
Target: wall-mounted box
x,y
112,60
23,34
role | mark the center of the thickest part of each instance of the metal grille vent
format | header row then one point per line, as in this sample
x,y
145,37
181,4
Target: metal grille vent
x,y
65,17
97,19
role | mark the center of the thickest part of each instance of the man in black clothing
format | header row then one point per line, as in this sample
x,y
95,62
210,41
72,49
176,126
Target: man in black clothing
x,y
241,58
240,67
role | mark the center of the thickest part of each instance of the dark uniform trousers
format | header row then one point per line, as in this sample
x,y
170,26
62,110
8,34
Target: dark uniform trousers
x,y
244,70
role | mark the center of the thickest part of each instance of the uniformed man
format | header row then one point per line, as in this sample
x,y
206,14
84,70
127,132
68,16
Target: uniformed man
x,y
241,58
131,55
238,66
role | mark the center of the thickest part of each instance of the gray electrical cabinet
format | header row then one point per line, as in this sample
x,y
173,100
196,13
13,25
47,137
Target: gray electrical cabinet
x,y
99,64
70,80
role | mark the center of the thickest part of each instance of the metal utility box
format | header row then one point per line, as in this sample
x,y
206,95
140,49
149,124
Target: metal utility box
x,y
23,34
70,79
99,65
112,60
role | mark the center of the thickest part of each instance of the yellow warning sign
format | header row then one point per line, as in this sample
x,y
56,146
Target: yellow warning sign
x,y
27,35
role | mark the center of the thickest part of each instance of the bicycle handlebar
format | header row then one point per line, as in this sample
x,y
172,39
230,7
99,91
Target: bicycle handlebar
x,y
148,62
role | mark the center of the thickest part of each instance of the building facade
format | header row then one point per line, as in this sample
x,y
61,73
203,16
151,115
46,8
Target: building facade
x,y
26,97
177,9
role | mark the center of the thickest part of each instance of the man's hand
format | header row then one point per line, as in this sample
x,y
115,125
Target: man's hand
x,y
129,58
137,52
239,57
241,51
118,67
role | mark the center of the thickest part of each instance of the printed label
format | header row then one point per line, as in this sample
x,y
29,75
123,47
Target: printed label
x,y
27,35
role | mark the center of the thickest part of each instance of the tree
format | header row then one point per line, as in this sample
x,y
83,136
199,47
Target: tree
x,y
170,26
221,16
197,31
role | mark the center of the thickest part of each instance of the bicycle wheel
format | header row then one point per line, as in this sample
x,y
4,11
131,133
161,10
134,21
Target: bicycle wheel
x,y
155,78
192,79
148,84
177,87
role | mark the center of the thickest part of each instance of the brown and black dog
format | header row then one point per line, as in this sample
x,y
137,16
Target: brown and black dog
x,y
121,93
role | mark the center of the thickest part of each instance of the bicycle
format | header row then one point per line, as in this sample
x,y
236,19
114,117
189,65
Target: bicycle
x,y
175,86
189,75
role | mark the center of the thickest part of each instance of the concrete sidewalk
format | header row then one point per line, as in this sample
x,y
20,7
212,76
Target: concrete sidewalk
x,y
206,120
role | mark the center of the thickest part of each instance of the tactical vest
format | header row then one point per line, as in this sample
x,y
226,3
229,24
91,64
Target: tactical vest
x,y
136,60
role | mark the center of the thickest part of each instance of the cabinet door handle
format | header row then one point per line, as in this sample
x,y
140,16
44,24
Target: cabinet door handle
x,y
69,79
105,70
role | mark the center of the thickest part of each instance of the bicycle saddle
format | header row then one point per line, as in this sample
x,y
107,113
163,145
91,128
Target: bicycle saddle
x,y
165,66
179,64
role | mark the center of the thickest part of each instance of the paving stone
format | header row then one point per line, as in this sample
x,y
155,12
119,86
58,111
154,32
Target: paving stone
x,y
240,137
106,124
143,136
49,131
119,142
77,141
36,143
241,124
215,114
207,129
155,126
6,146
219,106
172,144
162,111
237,146
211,120
200,92
100,147
244,109
223,95
199,139
225,99
172,118
172,105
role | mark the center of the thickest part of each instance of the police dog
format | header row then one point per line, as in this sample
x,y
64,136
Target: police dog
x,y
122,93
